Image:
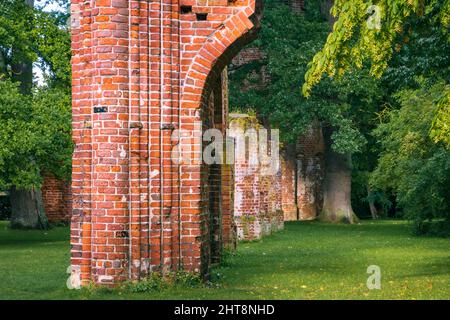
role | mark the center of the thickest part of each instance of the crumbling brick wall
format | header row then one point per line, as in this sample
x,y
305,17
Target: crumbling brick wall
x,y
257,193
57,199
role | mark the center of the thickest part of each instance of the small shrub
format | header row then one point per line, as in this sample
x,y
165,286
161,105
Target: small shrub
x,y
228,258
185,279
157,282
432,228
154,282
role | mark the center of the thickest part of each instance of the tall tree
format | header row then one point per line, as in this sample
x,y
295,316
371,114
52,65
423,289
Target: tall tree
x,y
337,189
406,45
370,32
27,209
35,121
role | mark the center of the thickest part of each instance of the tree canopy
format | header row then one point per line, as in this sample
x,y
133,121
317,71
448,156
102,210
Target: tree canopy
x,y
289,41
369,32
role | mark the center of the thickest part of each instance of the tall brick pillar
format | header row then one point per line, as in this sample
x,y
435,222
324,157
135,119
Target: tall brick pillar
x,y
258,185
142,70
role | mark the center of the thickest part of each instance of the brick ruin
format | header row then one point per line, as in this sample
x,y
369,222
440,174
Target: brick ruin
x,y
302,175
301,162
57,199
257,188
143,70
310,150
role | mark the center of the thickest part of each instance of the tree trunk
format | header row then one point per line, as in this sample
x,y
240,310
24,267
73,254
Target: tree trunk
x,y
325,9
373,208
337,185
22,71
27,209
337,206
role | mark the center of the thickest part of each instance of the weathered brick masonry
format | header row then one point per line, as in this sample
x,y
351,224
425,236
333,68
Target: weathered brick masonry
x,y
141,70
57,199
257,184
302,162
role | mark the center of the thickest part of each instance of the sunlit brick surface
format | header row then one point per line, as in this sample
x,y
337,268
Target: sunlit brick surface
x,y
142,69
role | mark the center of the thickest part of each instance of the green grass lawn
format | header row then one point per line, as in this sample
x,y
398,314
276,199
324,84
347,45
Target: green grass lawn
x,y
306,261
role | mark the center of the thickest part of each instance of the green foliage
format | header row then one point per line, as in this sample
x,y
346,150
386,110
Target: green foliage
x,y
34,35
363,33
35,128
422,51
289,41
440,131
17,36
34,135
411,164
185,279
155,282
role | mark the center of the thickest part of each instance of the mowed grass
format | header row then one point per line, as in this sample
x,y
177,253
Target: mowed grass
x,y
307,260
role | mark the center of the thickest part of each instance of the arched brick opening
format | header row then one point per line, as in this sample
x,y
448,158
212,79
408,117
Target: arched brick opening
x,y
141,70
206,75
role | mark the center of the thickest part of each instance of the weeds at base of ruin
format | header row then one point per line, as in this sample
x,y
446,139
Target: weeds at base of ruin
x,y
157,282
229,257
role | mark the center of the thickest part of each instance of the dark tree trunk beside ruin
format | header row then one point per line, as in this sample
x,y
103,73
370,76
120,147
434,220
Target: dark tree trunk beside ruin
x,y
325,9
372,207
337,206
27,209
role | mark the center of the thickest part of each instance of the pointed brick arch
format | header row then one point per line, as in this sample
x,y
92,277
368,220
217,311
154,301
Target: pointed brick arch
x,y
219,49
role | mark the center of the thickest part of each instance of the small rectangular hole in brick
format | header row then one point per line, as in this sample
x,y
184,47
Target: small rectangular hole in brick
x,y
186,9
202,16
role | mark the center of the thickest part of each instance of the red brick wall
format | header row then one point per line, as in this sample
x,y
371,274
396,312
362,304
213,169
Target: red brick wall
x,y
140,70
302,176
57,199
301,168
